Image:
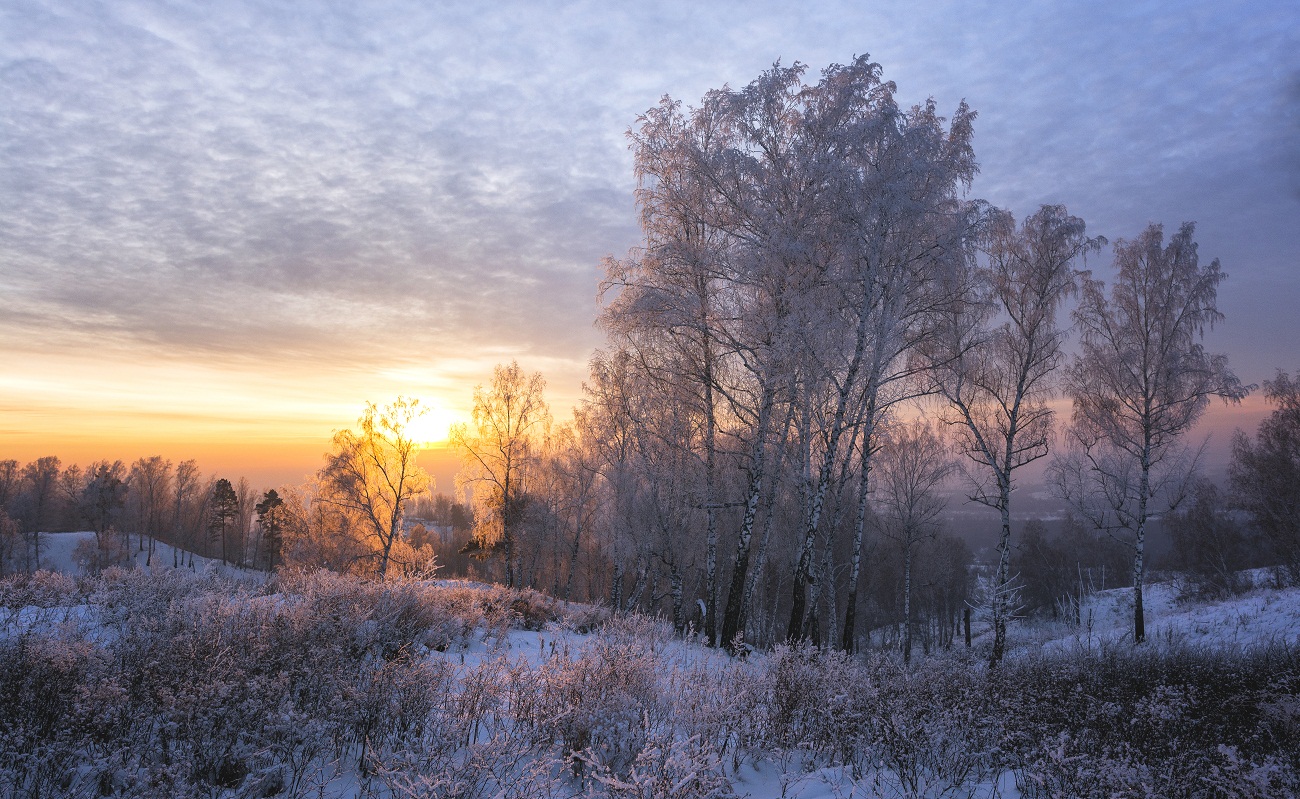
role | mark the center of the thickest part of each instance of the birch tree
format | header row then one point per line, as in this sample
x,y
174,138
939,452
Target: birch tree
x,y
186,491
1140,382
498,452
372,474
150,480
792,231
899,224
994,358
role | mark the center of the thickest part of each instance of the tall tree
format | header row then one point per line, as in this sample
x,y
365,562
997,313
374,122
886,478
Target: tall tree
x,y
789,230
372,473
10,484
185,490
994,359
37,504
150,480
498,452
223,509
102,498
1141,380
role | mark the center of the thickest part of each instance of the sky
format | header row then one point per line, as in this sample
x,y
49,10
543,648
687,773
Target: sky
x,y
226,226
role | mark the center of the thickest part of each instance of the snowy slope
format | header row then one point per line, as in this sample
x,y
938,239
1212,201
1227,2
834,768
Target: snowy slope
x,y
1259,616
57,554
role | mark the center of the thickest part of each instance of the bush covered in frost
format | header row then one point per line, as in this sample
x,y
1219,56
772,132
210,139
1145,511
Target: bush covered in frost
x,y
127,684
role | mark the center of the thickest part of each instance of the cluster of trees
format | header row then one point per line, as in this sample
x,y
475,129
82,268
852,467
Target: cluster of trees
x,y
132,508
812,279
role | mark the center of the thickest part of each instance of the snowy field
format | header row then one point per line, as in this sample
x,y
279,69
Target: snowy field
x,y
205,681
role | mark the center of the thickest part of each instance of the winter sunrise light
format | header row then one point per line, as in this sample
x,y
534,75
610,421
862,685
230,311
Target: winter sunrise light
x,y
672,399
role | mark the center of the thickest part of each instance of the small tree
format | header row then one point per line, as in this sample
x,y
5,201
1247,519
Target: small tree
x,y
912,464
372,473
37,503
1141,380
1265,473
1209,545
498,450
271,520
102,499
223,509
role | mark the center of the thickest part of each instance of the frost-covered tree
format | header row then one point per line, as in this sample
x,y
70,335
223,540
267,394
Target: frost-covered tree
x,y
793,231
994,357
186,517
1141,380
150,481
913,463
102,498
498,451
37,505
371,474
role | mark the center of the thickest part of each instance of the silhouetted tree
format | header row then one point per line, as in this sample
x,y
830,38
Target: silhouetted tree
x,y
995,357
1210,547
271,519
103,498
372,474
498,452
223,509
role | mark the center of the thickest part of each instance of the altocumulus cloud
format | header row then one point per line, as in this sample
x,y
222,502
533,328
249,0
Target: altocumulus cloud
x,y
236,176
226,177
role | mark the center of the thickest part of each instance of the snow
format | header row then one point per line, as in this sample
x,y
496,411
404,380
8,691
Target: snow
x,y
58,554
1260,616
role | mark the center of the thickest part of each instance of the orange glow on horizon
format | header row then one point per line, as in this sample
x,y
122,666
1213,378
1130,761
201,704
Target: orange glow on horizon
x,y
269,420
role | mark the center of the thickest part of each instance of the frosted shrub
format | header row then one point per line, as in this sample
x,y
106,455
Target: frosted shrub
x,y
582,618
42,589
722,705
1172,722
602,700
667,766
929,733
41,680
818,701
494,768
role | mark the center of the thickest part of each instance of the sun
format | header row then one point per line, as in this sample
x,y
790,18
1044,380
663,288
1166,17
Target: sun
x,y
432,426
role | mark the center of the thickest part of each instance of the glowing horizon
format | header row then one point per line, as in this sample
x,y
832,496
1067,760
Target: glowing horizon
x,y
228,227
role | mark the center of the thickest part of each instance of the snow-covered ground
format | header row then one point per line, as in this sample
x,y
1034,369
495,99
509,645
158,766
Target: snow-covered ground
x,y
58,553
676,675
1259,616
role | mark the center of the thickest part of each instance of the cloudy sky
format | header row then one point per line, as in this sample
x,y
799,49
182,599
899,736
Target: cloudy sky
x,y
224,226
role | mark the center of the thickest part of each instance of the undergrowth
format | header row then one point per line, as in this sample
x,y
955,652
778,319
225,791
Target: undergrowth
x,y
321,685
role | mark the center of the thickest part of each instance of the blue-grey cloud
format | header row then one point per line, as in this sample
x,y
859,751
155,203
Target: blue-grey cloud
x,y
230,177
